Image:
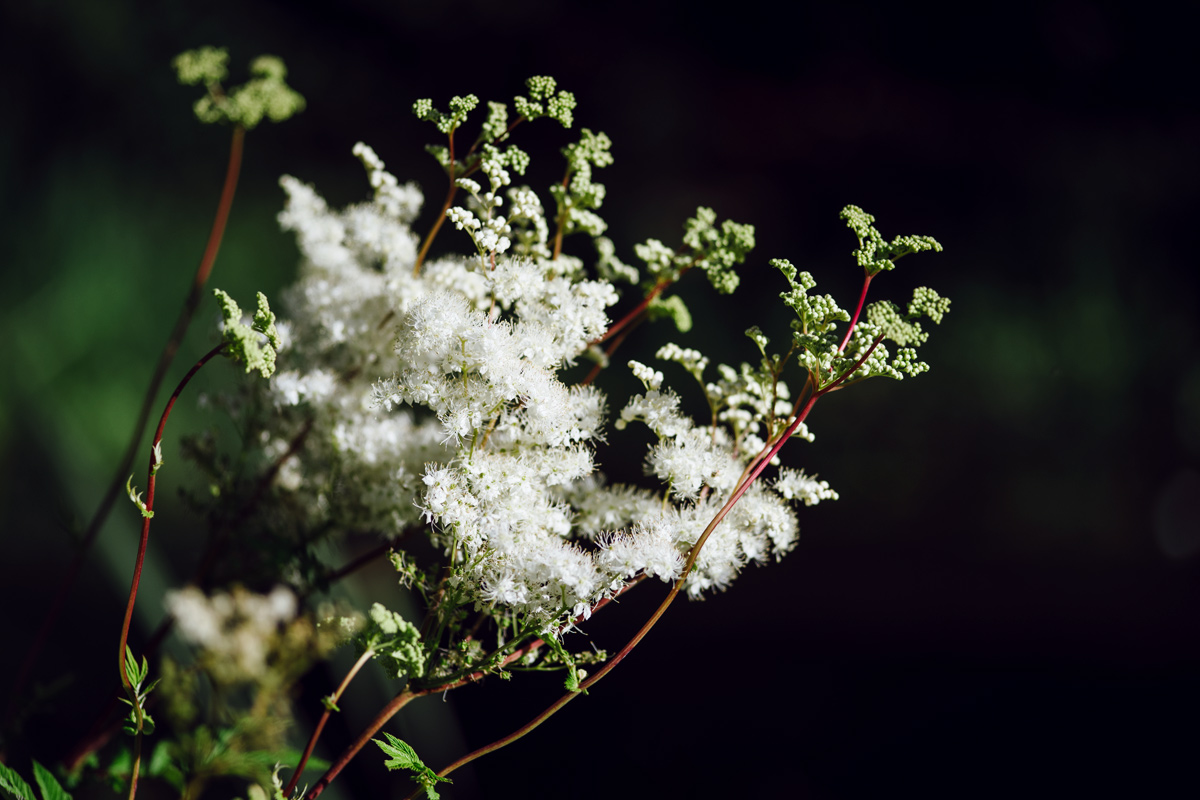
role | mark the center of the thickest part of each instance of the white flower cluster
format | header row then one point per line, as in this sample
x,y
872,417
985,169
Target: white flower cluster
x,y
431,398
233,628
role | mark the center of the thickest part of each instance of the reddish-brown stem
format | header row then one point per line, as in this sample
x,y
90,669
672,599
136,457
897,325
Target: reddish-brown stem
x,y
437,223
360,562
316,734
130,689
397,702
561,222
386,713
862,298
105,726
620,656
836,384
635,311
164,362
608,353
141,553
137,762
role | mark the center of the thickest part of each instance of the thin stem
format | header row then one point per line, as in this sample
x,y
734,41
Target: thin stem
x,y
862,297
332,701
608,353
401,699
164,362
359,563
141,553
437,224
398,702
102,730
836,384
635,311
561,223
137,762
620,656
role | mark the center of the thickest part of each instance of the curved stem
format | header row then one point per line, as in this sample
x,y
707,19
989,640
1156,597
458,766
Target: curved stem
x,y
332,702
164,362
141,553
398,702
401,699
608,354
634,312
620,656
862,298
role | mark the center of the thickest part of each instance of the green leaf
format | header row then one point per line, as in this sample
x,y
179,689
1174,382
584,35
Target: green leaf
x,y
401,756
13,786
132,670
51,788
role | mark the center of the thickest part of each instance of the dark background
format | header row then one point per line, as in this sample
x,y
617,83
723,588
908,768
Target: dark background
x,y
1006,597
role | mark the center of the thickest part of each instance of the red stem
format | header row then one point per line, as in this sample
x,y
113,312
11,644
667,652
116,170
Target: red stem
x,y
608,353
316,734
615,660
635,311
164,362
862,297
141,553
401,699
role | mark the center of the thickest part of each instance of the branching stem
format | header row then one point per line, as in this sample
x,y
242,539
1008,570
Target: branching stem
x,y
130,689
743,486
332,702
164,362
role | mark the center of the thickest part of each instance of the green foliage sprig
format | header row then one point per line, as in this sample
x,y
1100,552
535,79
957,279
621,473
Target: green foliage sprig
x,y
402,757
12,786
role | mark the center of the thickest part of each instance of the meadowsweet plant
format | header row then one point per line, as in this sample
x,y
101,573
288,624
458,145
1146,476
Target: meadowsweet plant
x,y
424,400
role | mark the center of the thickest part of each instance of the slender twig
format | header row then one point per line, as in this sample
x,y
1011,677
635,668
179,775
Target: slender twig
x,y
360,562
330,705
609,666
164,362
147,513
437,224
560,223
150,481
405,696
862,297
608,354
634,312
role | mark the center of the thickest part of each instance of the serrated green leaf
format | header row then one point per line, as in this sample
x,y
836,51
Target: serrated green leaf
x,y
401,755
12,784
49,785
